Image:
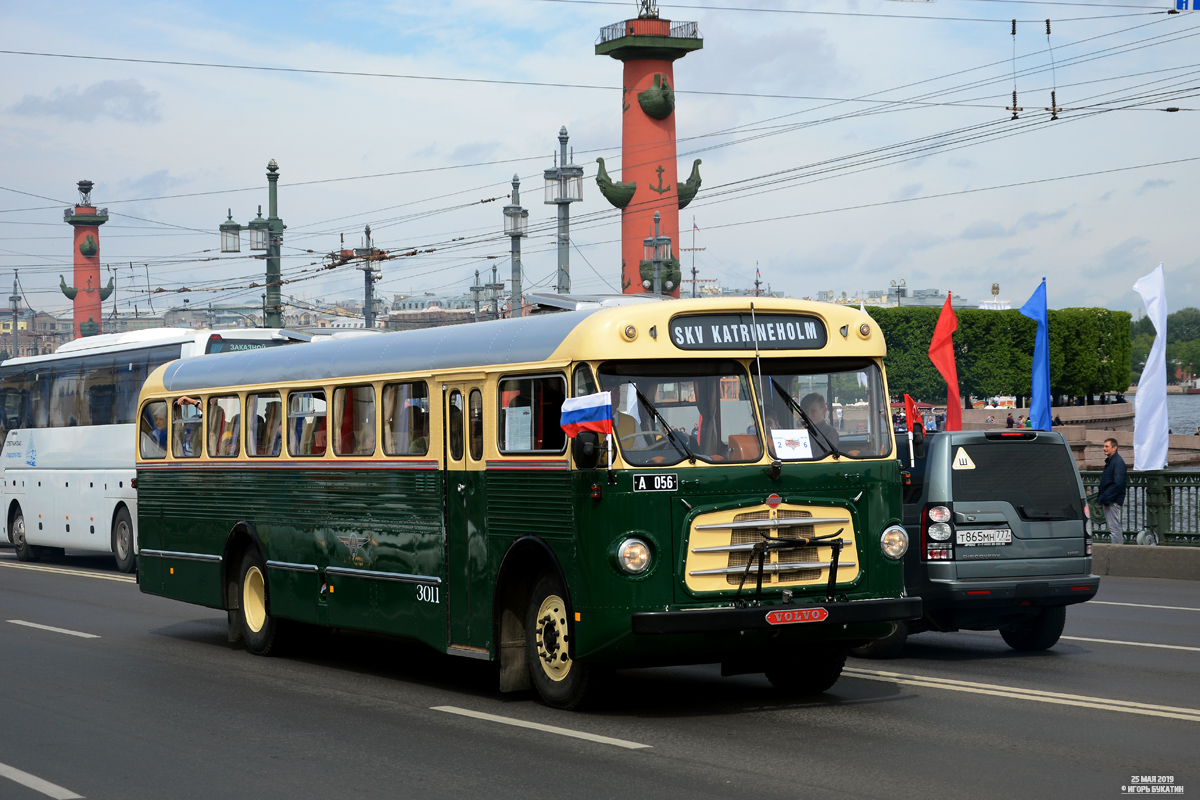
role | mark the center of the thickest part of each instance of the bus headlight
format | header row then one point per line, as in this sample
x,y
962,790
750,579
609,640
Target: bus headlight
x,y
894,542
634,556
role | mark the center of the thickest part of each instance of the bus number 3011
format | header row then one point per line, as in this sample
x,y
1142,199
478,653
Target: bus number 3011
x,y
428,594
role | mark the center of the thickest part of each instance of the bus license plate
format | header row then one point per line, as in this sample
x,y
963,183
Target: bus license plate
x,y
656,482
989,536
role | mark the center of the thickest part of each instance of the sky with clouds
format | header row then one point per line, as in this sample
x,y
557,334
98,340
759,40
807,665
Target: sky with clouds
x,y
842,150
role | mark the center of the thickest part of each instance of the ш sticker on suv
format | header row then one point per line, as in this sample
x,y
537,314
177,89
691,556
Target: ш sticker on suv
x,y
998,525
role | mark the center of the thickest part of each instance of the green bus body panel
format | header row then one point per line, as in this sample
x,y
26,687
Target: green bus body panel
x,y
419,522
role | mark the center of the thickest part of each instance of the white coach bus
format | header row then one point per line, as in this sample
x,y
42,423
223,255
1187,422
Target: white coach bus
x,y
67,427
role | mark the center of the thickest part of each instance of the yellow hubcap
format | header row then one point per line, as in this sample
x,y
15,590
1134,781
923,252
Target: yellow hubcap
x,y
254,600
551,638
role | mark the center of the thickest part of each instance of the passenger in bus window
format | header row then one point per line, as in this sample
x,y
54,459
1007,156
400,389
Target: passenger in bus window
x,y
420,433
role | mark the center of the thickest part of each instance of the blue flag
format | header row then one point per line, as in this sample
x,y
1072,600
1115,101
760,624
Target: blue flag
x,y
1039,405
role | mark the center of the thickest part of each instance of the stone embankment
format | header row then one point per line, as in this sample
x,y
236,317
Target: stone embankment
x,y
1086,428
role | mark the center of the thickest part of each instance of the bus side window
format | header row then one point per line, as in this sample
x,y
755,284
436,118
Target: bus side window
x,y
582,381
475,422
456,425
354,411
531,413
264,416
224,426
306,423
406,419
187,429
152,430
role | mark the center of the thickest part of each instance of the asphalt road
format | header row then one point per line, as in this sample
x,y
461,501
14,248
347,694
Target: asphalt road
x,y
159,705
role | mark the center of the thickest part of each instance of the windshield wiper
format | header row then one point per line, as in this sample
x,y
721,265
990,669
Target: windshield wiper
x,y
808,422
678,444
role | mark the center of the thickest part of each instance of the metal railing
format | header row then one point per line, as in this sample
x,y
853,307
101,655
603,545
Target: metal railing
x,y
1163,502
680,30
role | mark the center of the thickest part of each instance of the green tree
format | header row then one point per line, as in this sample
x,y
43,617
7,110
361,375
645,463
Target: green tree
x,y
1183,325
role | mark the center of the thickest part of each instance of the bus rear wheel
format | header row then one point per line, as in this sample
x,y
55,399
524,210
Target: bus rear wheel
x,y
16,532
259,628
561,681
122,541
806,672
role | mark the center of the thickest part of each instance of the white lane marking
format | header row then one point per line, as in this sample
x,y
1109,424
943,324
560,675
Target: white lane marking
x,y
61,571
1017,693
1140,605
520,723
1132,644
37,784
52,628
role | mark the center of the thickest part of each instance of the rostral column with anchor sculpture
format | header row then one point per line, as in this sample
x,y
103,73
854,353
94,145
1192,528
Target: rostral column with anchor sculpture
x,y
87,293
648,46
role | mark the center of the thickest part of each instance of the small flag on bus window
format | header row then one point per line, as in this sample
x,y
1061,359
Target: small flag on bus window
x,y
592,412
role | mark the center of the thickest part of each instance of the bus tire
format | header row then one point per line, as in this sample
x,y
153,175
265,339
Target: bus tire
x,y
16,532
1037,633
807,672
561,681
122,541
890,646
259,628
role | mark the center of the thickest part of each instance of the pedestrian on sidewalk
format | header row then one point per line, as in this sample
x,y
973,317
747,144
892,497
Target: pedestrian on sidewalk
x,y
1112,491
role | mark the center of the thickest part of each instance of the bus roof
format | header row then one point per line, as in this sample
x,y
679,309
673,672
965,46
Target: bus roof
x,y
588,334
151,337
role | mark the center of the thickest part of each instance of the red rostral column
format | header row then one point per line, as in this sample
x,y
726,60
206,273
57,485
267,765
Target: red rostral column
x,y
87,293
648,46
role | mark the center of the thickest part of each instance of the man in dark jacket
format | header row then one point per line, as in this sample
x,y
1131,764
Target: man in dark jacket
x,y
1112,491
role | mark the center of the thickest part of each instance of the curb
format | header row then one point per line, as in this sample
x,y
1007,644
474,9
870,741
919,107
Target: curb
x,y
1136,561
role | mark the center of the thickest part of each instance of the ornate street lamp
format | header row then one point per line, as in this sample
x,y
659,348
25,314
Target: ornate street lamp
x,y
516,225
658,250
265,235
564,185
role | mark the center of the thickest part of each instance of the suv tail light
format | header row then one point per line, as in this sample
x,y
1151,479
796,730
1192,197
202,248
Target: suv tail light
x,y
937,532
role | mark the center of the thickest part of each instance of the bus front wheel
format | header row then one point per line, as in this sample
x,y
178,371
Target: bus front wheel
x,y
259,628
561,681
16,532
122,541
807,672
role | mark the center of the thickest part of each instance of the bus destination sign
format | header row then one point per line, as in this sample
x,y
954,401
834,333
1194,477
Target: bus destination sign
x,y
739,331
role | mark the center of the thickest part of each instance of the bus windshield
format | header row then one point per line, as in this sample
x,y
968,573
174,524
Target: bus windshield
x,y
819,407
708,407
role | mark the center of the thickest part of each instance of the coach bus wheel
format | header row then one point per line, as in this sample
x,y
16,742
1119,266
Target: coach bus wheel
x,y
806,672
16,530
561,681
122,541
1038,633
258,626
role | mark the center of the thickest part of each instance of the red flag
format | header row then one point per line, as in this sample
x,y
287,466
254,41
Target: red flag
x,y
941,353
910,413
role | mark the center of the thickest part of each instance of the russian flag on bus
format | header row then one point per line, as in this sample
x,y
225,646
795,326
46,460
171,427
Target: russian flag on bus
x,y
592,412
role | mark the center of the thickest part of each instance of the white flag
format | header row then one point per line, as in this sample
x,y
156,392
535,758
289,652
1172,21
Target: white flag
x,y
1150,424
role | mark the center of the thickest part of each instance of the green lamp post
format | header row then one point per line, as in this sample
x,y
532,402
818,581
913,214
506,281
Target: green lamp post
x,y
265,235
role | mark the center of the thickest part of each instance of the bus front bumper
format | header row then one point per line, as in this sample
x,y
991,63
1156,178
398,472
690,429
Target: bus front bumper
x,y
776,617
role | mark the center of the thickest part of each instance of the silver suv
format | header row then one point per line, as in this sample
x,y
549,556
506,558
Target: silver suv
x,y
998,525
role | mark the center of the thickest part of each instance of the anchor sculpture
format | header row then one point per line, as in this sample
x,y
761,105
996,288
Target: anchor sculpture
x,y
71,291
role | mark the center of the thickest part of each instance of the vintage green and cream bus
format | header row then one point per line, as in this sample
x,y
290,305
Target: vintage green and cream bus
x,y
419,484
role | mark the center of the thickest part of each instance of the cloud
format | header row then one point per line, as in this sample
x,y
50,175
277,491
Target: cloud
x,y
1014,253
1149,186
908,191
472,152
985,229
126,101
150,185
896,250
1128,257
962,163
1035,219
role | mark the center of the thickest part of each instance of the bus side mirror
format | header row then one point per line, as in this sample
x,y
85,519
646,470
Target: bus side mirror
x,y
585,449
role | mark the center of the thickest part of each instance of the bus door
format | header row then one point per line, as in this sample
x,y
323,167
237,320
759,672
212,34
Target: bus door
x,y
468,597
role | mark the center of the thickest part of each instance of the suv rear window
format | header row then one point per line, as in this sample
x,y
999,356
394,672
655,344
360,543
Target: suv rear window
x,y
1037,478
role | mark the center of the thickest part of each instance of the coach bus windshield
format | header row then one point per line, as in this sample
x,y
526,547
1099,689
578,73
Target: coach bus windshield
x,y
814,408
707,406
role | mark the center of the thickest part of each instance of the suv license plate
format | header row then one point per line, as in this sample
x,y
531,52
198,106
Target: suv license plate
x,y
988,536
